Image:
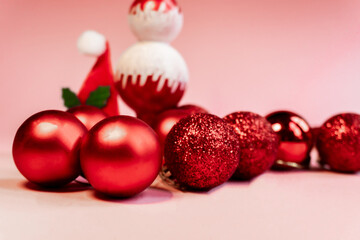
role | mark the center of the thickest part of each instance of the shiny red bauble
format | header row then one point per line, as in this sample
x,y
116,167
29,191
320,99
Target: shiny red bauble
x,y
192,109
296,140
121,156
167,119
201,152
46,148
258,144
88,115
338,143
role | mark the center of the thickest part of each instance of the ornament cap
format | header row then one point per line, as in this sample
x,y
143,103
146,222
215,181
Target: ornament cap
x,y
92,43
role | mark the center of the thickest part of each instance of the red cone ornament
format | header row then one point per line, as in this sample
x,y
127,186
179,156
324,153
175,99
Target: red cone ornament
x,y
258,144
296,140
95,44
201,152
88,115
121,156
46,148
338,143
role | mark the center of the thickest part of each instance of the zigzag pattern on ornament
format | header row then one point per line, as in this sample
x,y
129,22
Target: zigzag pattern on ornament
x,y
153,5
162,82
158,60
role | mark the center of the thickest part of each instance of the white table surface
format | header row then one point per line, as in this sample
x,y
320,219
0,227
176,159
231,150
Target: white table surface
x,y
276,205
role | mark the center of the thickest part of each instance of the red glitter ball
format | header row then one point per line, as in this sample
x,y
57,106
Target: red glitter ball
x,y
201,151
338,142
258,143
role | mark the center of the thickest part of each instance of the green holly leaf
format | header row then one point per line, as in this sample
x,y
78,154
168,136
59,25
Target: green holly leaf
x,y
70,98
99,97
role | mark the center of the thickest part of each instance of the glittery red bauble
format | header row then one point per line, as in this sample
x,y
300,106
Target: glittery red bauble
x,y
201,151
120,156
167,119
338,142
258,144
296,140
88,115
46,148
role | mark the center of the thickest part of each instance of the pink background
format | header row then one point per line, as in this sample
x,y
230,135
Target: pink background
x,y
257,55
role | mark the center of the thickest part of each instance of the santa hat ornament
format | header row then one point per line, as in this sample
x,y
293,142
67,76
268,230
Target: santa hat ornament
x,y
95,44
151,76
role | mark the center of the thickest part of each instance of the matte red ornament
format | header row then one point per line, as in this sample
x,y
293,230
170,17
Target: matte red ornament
x,y
46,148
167,119
147,101
201,152
151,77
338,143
120,156
88,115
258,143
192,109
296,140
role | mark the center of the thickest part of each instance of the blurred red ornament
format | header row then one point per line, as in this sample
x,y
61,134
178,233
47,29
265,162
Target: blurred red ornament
x,y
151,77
88,115
201,152
120,156
315,133
46,148
192,109
296,140
167,119
338,142
258,144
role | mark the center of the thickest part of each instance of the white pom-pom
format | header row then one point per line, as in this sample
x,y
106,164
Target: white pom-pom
x,y
92,43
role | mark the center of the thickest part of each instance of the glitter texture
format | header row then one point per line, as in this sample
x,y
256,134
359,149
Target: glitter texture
x,y
258,143
338,142
201,151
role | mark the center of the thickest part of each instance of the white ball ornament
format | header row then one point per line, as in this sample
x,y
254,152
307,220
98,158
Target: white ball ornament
x,y
155,20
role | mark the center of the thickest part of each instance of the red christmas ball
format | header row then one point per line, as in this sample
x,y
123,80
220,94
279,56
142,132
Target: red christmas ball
x,y
201,152
120,156
46,148
258,144
88,115
151,77
296,140
192,109
167,119
338,142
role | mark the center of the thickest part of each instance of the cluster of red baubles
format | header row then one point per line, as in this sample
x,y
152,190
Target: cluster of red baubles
x,y
122,155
